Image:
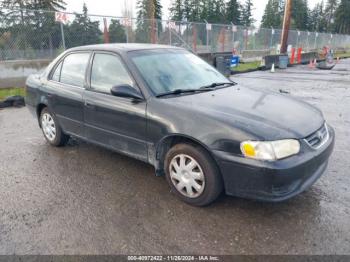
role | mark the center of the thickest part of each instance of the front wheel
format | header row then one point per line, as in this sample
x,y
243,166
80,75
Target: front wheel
x,y
51,129
192,174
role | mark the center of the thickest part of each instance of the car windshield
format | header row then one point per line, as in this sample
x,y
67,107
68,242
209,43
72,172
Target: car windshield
x,y
171,70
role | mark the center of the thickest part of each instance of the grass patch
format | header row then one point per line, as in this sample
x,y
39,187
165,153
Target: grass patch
x,y
5,92
247,66
342,55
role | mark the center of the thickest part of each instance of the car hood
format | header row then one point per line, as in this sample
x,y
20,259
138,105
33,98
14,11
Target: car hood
x,y
264,114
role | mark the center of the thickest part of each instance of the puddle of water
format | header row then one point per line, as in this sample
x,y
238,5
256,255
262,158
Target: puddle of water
x,y
15,69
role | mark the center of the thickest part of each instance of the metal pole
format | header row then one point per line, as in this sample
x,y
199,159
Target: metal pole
x,y
156,35
254,41
223,32
233,35
315,40
63,39
272,37
286,25
169,32
206,23
298,33
126,33
194,37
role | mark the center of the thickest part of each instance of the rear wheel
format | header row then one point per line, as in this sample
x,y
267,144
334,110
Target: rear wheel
x,y
192,174
51,129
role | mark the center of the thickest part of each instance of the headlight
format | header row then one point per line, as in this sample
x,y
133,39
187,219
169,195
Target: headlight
x,y
270,150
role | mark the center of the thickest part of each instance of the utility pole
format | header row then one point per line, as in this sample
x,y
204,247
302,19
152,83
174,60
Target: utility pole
x,y
127,18
63,39
286,25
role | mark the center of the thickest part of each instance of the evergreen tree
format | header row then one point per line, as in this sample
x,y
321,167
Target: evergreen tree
x,y
20,9
342,17
15,23
52,5
211,11
233,12
273,14
83,31
196,10
247,16
187,9
149,9
17,13
193,10
177,10
116,32
300,12
47,32
330,9
149,15
157,9
219,9
29,28
206,11
317,21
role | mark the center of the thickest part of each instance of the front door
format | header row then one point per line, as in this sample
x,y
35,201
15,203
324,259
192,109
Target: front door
x,y
116,122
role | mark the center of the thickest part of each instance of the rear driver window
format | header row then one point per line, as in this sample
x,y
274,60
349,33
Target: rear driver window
x,y
73,69
57,73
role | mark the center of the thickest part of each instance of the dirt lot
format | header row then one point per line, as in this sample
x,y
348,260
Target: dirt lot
x,y
82,199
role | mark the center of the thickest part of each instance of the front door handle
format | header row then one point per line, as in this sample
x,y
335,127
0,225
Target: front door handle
x,y
89,105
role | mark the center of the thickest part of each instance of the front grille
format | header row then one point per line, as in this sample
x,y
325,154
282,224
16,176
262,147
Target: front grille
x,y
318,138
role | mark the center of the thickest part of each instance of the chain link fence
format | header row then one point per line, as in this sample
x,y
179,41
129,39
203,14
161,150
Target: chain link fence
x,y
35,34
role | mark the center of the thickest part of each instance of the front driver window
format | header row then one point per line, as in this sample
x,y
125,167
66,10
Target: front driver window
x,y
108,71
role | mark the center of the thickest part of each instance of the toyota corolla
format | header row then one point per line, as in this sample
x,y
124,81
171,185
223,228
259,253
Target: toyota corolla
x,y
167,107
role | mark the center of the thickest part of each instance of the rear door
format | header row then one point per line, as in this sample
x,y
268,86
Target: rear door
x,y
116,122
65,91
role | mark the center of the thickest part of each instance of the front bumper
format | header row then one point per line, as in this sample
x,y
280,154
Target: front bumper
x,y
274,181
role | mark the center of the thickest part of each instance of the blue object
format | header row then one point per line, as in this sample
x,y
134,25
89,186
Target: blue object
x,y
283,62
234,61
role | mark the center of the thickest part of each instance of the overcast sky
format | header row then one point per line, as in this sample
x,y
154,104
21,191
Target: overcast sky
x,y
114,7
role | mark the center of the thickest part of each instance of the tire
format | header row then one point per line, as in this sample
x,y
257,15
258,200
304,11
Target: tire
x,y
51,129
200,170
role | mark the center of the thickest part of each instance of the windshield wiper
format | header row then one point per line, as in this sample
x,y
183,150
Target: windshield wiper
x,y
216,85
207,88
182,91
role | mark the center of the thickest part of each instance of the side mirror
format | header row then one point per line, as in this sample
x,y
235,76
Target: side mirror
x,y
126,91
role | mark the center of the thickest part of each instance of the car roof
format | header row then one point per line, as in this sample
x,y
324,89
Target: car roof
x,y
123,47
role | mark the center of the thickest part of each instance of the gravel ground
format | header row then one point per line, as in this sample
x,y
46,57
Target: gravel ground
x,y
82,199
